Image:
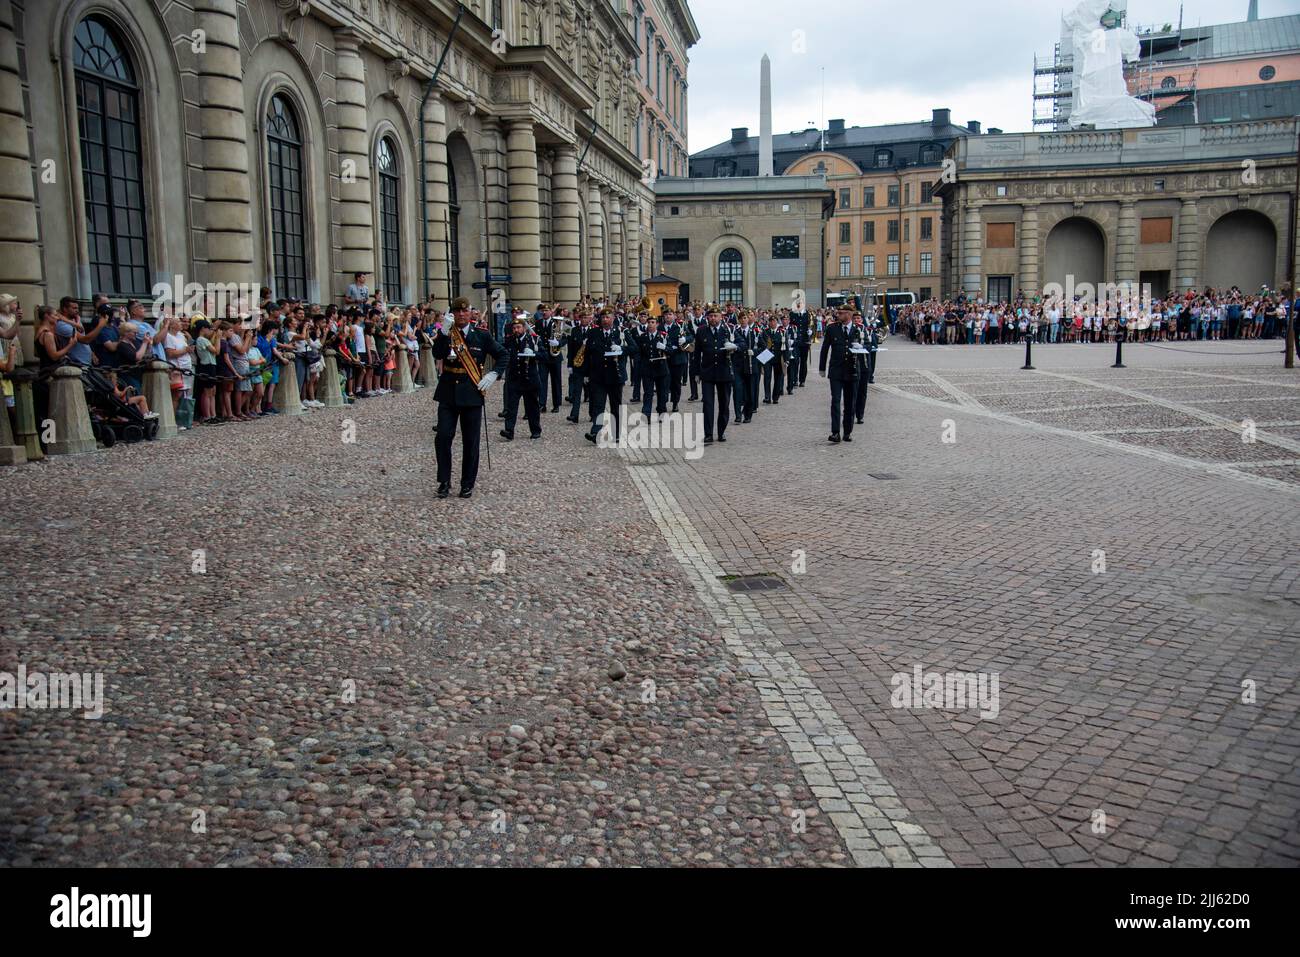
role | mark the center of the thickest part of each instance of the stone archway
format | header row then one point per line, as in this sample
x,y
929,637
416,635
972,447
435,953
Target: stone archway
x,y
1076,254
1241,250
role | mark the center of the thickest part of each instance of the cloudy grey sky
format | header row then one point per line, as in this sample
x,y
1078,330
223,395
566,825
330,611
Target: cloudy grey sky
x,y
890,62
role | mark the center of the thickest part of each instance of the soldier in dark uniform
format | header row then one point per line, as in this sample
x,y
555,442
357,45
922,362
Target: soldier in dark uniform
x,y
551,361
714,347
605,372
460,401
577,374
773,341
632,327
793,363
679,338
698,325
652,358
860,395
867,367
523,379
746,379
802,323
837,344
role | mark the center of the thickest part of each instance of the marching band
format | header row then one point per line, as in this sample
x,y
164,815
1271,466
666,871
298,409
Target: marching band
x,y
723,353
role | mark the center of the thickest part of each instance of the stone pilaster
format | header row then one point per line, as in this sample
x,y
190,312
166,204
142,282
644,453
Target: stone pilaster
x,y
615,233
595,241
544,224
525,224
1029,279
972,246
287,399
226,211
1188,252
564,226
498,206
1126,243
356,225
437,196
632,250
21,272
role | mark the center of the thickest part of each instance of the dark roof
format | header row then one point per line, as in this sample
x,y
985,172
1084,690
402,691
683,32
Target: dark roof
x,y
858,143
1259,101
1242,38
661,278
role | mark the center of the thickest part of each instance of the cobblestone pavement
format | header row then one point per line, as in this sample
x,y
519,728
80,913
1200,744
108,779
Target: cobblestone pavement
x,y
562,671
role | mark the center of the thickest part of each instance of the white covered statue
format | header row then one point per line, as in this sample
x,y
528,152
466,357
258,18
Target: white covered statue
x,y
1101,97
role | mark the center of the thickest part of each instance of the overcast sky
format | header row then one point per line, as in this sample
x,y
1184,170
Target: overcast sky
x,y
890,62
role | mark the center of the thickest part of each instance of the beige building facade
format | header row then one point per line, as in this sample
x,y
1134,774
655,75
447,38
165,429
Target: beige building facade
x,y
1174,208
754,241
292,143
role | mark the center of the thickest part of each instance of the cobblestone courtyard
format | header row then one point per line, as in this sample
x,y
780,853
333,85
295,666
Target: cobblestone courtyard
x,y
563,671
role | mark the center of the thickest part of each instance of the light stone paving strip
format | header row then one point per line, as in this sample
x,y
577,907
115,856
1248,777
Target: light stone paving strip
x,y
964,398
876,827
1185,409
1168,458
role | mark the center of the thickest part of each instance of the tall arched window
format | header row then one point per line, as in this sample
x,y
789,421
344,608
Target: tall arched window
x,y
284,171
390,231
731,276
108,122
453,227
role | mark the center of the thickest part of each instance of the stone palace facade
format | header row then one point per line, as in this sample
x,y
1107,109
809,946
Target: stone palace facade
x,y
1178,208
291,143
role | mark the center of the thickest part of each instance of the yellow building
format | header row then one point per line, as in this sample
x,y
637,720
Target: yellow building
x,y
885,225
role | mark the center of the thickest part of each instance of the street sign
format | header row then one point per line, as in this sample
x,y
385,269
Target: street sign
x,y
505,278
481,264
480,285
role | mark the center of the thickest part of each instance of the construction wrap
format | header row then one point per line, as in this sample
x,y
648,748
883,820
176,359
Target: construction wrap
x,y
1101,97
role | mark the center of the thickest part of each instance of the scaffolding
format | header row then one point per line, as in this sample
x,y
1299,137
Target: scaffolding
x,y
1053,91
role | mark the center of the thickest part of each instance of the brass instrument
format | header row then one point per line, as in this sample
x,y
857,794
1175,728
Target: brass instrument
x,y
558,335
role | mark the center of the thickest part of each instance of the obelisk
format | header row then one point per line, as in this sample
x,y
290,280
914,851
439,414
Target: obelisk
x,y
765,118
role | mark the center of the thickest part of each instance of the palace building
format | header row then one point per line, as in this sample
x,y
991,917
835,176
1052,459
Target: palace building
x,y
293,143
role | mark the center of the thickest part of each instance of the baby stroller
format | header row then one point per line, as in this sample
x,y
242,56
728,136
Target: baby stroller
x,y
111,418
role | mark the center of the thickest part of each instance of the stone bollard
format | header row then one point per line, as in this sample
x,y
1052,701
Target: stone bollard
x,y
25,406
330,392
428,368
402,372
10,452
158,393
72,431
288,400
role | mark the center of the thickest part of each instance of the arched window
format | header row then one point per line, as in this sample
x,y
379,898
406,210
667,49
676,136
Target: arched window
x,y
731,276
453,229
390,226
1168,83
284,171
108,122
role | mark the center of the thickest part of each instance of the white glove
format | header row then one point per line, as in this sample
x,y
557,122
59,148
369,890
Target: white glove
x,y
485,383
659,345
617,349
729,346
554,343
447,323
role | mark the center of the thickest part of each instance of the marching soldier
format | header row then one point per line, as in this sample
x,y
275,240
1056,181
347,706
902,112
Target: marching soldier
x,y
577,370
772,340
698,324
681,339
840,339
860,396
746,381
793,358
652,354
523,379
714,346
802,323
605,372
463,349
550,328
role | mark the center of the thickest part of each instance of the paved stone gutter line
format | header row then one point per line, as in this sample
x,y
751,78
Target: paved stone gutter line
x,y
1241,378
1169,458
962,397
1210,417
876,827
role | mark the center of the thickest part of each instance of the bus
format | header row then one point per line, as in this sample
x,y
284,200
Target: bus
x,y
892,299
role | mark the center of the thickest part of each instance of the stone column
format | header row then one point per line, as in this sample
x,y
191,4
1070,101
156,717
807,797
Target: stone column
x,y
402,371
11,453
288,400
544,214
1030,282
498,207
564,226
632,257
72,431
428,374
226,211
158,393
330,392
616,274
972,244
20,253
1188,251
525,217
356,226
1126,242
437,198
595,241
